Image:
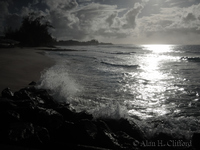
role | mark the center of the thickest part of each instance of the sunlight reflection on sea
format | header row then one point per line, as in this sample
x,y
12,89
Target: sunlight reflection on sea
x,y
150,92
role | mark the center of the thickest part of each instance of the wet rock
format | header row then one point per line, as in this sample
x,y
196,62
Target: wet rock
x,y
22,95
86,132
48,100
126,141
86,147
32,117
9,116
105,137
42,135
32,83
108,139
70,114
67,111
83,115
66,133
126,126
7,93
6,118
21,133
48,118
7,104
27,134
26,103
163,136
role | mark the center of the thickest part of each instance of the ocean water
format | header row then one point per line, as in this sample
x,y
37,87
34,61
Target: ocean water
x,y
158,86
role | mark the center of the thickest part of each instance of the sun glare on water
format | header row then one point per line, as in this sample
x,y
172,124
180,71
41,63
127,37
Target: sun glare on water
x,y
155,80
158,48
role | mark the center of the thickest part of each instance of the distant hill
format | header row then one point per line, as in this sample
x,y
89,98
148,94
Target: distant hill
x,y
74,42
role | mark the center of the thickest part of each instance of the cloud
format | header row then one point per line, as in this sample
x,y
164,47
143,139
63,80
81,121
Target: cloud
x,y
131,15
94,20
110,19
61,5
81,22
173,24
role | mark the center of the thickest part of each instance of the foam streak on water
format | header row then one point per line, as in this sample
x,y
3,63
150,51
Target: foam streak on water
x,y
157,85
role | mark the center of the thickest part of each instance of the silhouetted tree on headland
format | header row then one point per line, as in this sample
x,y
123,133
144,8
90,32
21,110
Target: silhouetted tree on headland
x,y
33,31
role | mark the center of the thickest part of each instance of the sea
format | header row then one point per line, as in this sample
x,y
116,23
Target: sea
x,y
157,86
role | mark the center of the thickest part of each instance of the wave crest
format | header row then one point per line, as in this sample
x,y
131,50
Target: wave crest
x,y
59,82
120,65
191,59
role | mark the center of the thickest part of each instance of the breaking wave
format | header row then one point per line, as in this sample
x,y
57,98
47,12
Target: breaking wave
x,y
191,59
120,65
59,82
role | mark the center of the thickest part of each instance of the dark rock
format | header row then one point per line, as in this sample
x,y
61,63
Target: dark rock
x,y
126,141
21,133
70,114
83,115
9,116
66,133
26,103
31,89
105,137
163,136
108,140
132,129
48,118
39,96
86,132
33,118
27,134
48,100
196,141
22,95
32,83
7,104
102,125
86,147
126,126
6,118
42,135
67,111
7,93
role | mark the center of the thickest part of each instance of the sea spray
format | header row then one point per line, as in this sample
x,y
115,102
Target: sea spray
x,y
59,82
112,110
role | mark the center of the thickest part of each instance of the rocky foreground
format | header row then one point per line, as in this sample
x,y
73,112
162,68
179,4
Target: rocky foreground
x,y
32,119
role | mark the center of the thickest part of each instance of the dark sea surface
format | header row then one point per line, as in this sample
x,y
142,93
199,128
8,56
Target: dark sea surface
x,y
158,86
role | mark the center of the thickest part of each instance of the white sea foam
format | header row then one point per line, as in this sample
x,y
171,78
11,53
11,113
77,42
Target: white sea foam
x,y
112,110
59,82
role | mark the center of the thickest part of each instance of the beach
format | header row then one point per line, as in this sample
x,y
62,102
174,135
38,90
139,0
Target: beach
x,y
20,66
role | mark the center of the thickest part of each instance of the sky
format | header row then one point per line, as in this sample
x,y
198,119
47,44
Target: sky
x,y
116,21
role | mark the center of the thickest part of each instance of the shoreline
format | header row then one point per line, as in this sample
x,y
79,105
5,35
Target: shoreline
x,y
20,66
